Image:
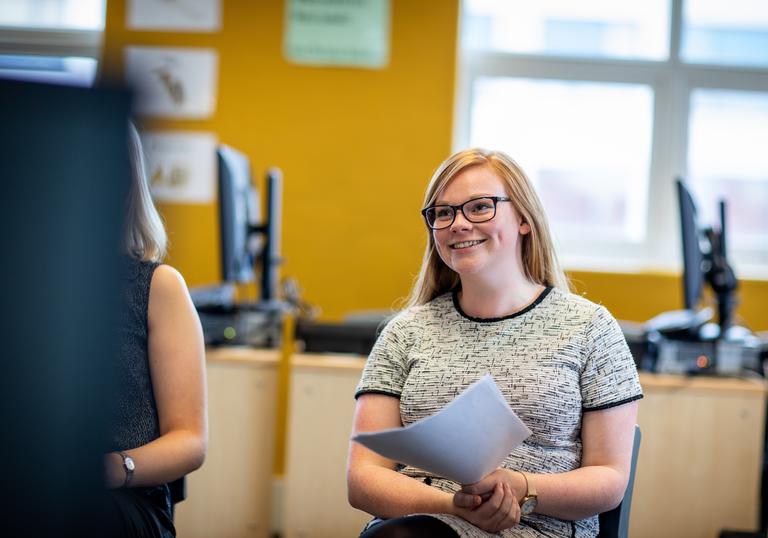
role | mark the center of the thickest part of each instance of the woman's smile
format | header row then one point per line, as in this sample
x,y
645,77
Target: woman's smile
x,y
463,245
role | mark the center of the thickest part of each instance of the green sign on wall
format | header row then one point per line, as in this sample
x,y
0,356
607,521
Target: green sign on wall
x,y
352,33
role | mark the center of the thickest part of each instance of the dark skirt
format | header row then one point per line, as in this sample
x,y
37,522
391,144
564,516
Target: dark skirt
x,y
140,513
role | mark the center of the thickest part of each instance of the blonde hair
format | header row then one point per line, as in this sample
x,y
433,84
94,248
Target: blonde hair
x,y
540,264
144,236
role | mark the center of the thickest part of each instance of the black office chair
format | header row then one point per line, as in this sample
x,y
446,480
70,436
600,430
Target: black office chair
x,y
615,523
178,490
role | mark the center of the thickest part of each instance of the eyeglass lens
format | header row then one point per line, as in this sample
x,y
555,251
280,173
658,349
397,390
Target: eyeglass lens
x,y
478,210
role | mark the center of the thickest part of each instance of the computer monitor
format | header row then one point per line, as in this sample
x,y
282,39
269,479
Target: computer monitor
x,y
239,215
693,273
705,259
250,244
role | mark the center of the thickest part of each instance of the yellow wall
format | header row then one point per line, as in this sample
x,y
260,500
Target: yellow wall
x,y
357,148
640,296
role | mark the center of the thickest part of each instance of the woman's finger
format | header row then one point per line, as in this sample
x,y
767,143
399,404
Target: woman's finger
x,y
513,514
466,500
500,518
489,508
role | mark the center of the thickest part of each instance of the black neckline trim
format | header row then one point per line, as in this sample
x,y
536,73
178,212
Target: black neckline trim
x,y
528,308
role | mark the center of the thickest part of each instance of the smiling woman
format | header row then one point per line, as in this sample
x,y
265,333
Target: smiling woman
x,y
494,175
491,299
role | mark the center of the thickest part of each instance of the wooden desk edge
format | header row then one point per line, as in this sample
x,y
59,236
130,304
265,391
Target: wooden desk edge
x,y
328,361
243,355
655,382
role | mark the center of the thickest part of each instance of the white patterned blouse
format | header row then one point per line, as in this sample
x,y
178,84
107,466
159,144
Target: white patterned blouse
x,y
558,358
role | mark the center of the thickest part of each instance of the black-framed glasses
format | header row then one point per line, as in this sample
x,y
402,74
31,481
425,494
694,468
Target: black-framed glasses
x,y
475,210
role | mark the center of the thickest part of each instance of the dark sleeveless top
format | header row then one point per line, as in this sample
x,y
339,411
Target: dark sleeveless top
x,y
135,422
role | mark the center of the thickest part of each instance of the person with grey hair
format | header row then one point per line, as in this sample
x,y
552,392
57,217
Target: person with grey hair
x,y
491,298
159,429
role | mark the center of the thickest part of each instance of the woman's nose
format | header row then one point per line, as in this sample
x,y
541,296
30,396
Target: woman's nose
x,y
460,222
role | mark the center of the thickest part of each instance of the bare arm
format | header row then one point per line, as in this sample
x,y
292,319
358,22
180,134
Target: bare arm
x,y
177,367
373,485
597,486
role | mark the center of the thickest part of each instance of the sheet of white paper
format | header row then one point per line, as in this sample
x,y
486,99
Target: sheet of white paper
x,y
464,441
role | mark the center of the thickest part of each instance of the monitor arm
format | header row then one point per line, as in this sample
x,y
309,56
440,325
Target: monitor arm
x,y
721,279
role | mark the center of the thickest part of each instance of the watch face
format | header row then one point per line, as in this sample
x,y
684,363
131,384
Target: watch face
x,y
528,505
129,464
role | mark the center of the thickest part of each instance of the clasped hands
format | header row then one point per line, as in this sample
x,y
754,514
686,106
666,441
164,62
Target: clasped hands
x,y
490,504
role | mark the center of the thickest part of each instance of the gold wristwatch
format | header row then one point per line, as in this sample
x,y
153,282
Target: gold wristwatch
x,y
530,500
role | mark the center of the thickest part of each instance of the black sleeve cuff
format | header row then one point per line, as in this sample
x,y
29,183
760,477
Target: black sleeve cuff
x,y
613,404
376,391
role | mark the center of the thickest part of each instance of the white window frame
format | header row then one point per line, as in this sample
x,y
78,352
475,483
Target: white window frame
x,y
49,42
672,82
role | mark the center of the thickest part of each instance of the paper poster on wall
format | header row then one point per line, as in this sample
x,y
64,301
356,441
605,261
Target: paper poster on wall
x,y
176,15
181,166
337,32
173,82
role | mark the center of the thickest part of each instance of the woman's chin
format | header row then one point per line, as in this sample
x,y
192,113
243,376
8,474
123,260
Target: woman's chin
x,y
467,267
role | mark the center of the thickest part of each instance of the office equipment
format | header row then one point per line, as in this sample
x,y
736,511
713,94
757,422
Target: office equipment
x,y
250,247
705,259
345,337
686,341
247,241
239,216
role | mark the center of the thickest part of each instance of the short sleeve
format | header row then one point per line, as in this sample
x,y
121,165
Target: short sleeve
x,y
387,367
609,377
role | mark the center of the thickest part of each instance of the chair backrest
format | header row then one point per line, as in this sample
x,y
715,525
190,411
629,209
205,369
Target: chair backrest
x,y
178,489
615,523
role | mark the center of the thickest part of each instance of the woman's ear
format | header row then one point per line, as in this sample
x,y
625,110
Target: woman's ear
x,y
525,228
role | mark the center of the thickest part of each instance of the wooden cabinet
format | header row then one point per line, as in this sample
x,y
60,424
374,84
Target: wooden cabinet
x,y
700,460
698,469
230,495
319,426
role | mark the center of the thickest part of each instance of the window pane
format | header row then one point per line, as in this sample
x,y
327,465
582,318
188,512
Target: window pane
x,y
586,147
731,33
61,14
727,159
588,28
53,69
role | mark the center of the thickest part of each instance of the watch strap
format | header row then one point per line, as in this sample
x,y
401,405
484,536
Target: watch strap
x,y
530,487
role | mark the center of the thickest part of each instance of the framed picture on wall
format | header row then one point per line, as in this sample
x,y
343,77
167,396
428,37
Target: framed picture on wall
x,y
176,15
181,165
173,82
